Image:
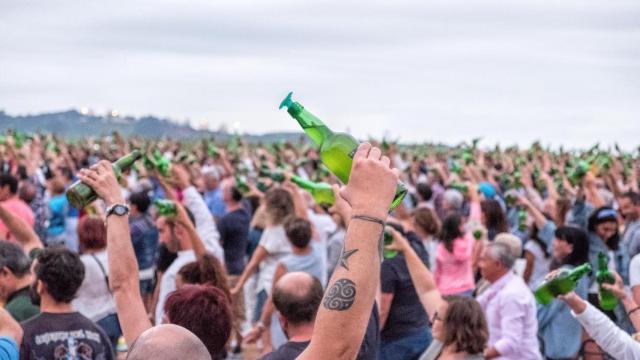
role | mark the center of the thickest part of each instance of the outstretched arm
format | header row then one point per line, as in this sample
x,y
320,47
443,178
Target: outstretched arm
x,y
346,307
123,268
21,230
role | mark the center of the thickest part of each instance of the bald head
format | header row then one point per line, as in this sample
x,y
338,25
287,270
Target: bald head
x,y
168,342
297,296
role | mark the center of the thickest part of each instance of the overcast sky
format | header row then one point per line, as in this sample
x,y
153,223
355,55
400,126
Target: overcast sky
x,y
512,71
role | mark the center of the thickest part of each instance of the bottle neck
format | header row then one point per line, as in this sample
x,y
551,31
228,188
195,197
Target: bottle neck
x,y
310,123
580,271
305,184
126,161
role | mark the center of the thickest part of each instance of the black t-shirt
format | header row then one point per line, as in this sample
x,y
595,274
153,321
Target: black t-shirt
x,y
234,231
64,336
406,314
288,351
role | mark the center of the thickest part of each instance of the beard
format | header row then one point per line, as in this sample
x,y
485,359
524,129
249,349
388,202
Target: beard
x,y
33,295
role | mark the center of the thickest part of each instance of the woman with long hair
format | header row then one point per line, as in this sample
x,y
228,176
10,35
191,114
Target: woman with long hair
x,y
454,258
558,330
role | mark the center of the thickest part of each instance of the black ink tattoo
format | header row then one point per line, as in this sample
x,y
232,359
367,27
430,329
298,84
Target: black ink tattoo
x,y
345,255
340,296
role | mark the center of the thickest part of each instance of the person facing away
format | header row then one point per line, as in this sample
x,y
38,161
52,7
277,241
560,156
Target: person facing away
x,y
629,204
509,306
59,332
58,207
296,296
454,270
10,201
405,330
94,299
15,279
144,236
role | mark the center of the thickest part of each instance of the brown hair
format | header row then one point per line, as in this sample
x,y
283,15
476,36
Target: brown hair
x,y
57,186
279,205
92,233
427,220
298,231
464,325
207,270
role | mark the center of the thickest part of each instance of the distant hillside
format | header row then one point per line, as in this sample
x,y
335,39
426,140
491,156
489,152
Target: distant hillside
x,y
73,124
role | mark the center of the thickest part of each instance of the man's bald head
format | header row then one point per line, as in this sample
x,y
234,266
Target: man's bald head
x,y
297,296
168,342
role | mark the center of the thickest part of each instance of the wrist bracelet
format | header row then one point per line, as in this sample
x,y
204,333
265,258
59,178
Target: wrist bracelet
x,y
370,219
633,310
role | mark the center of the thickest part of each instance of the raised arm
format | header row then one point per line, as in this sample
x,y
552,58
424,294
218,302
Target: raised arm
x,y
24,233
422,279
346,308
123,268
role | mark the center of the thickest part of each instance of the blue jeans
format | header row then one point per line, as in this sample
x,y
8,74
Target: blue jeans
x,y
261,299
111,327
408,347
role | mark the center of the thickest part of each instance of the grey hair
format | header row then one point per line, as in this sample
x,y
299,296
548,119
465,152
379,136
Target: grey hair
x,y
13,257
502,253
454,198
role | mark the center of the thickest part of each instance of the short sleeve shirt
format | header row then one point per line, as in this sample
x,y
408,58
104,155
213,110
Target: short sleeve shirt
x,y
8,348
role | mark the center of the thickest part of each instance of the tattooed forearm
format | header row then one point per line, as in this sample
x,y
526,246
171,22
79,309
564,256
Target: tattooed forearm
x,y
340,296
345,255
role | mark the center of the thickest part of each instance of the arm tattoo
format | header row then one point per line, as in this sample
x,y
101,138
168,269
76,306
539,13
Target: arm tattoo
x,y
345,255
340,296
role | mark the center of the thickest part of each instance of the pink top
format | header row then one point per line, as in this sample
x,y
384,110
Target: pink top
x,y
454,270
20,209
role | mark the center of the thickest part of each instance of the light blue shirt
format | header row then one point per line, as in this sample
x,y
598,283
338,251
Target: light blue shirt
x,y
215,202
8,348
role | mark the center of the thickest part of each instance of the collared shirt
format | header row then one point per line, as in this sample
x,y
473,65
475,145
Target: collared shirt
x,y
168,283
510,309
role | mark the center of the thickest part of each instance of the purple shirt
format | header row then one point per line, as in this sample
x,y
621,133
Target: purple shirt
x,y
510,309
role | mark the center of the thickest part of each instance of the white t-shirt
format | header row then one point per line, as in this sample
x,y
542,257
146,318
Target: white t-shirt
x,y
274,240
540,263
325,226
93,298
634,271
168,282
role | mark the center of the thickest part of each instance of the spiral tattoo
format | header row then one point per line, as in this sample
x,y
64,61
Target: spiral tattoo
x,y
341,295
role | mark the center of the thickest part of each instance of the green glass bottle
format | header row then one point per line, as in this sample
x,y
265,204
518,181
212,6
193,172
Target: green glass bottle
x,y
274,175
608,301
241,184
522,219
565,281
387,240
477,234
166,207
322,193
80,194
162,164
336,149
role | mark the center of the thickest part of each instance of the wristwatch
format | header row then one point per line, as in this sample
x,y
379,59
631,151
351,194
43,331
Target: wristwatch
x,y
118,209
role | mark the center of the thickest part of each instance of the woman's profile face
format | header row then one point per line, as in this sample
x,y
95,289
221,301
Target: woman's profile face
x,y
606,230
437,328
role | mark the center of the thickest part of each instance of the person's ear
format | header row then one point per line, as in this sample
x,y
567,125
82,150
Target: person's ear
x,y
40,287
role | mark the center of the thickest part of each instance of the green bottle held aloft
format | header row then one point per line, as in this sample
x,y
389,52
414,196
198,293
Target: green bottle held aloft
x,y
275,175
522,219
241,184
80,194
322,193
162,163
336,149
608,301
462,187
166,207
565,281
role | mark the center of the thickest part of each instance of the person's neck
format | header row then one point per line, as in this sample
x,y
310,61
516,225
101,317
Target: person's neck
x,y
300,333
301,251
48,305
23,282
233,206
91,251
499,276
450,352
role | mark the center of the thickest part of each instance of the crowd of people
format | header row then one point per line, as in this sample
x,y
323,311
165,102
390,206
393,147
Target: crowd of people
x,y
249,259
